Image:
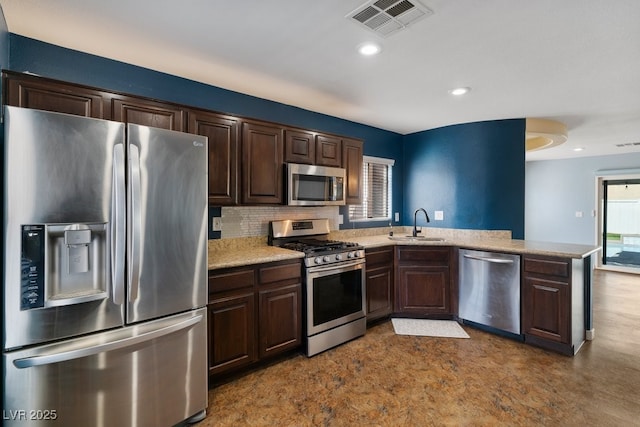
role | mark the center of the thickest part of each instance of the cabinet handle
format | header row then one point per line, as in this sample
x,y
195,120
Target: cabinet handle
x,y
545,288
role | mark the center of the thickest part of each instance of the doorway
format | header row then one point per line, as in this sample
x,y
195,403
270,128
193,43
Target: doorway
x,y
620,225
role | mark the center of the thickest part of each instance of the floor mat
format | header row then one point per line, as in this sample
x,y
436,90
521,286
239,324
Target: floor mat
x,y
428,328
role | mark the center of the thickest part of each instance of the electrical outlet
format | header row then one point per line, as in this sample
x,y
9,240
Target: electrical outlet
x,y
578,214
216,224
397,217
439,215
340,219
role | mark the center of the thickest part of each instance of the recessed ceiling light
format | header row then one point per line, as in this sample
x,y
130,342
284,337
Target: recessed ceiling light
x,y
459,91
369,49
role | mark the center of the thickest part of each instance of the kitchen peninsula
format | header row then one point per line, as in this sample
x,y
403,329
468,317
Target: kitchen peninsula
x,y
556,278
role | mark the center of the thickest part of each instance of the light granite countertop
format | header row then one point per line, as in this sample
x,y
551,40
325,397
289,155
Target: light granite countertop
x,y
488,244
224,253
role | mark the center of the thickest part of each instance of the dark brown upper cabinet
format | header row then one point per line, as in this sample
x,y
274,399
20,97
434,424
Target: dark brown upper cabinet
x,y
328,151
141,111
352,152
23,90
222,132
299,146
262,163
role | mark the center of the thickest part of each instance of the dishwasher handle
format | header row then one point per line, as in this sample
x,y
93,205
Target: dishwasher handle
x,y
489,259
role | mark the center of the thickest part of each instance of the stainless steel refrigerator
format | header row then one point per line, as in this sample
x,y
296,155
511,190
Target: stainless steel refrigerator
x,y
105,272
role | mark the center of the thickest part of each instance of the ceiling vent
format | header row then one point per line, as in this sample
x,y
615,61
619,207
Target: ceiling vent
x,y
386,17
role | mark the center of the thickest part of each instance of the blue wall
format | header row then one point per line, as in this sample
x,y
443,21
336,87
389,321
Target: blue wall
x,y
4,43
474,172
64,64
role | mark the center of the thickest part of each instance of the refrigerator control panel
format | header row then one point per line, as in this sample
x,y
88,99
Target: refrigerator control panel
x,y
33,265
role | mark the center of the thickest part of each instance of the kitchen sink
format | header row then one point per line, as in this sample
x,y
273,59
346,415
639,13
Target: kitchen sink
x,y
416,239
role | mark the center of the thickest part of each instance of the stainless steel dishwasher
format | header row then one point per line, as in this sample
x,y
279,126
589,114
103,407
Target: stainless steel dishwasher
x,y
489,286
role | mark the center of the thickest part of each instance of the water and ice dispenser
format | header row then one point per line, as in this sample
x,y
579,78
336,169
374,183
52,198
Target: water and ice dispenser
x,y
64,264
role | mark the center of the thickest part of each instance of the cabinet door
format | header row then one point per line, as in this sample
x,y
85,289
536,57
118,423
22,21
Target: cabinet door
x,y
222,132
50,95
231,332
280,319
140,111
546,309
423,290
379,282
299,147
262,158
328,151
379,292
352,151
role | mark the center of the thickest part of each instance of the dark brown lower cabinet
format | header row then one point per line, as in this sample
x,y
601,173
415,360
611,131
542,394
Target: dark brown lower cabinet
x,y
255,313
379,282
231,332
280,324
553,303
423,282
547,315
554,306
423,290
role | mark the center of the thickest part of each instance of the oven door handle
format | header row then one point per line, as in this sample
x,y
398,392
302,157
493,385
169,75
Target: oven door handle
x,y
336,267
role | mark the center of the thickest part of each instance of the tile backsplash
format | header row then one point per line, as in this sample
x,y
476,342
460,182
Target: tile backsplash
x,y
253,221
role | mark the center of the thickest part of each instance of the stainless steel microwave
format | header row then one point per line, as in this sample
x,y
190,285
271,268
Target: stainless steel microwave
x,y
309,185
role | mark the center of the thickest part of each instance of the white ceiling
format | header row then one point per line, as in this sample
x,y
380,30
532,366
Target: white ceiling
x,y
576,61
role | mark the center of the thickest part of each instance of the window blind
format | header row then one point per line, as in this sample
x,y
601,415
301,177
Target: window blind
x,y
376,191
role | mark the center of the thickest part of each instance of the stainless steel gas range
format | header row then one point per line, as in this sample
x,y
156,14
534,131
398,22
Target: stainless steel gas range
x,y
334,287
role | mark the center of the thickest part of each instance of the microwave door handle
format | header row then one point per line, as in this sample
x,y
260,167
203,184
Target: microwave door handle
x,y
332,188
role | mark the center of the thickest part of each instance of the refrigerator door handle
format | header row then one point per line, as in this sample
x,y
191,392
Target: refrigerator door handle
x,y
118,229
47,359
135,222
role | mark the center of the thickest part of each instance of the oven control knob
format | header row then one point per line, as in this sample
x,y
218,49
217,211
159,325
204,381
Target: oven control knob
x,y
318,260
338,257
351,254
326,258
358,254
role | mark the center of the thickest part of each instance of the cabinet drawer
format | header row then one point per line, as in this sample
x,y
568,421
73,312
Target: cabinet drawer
x,y
379,256
425,256
560,267
280,273
226,281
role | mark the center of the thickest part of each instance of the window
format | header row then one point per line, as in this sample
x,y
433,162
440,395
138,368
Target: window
x,y
376,191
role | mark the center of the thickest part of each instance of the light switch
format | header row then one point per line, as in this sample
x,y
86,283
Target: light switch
x,y
578,214
397,217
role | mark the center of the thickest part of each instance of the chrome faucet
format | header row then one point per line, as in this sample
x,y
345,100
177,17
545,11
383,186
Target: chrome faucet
x,y
415,217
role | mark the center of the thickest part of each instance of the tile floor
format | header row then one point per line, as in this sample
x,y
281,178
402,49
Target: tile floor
x,y
383,379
